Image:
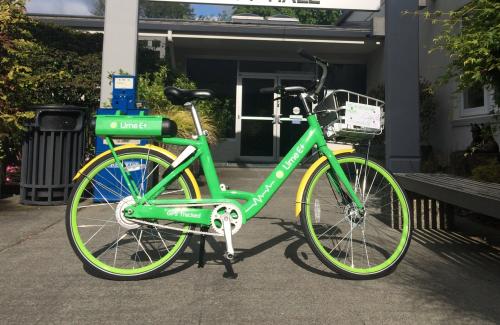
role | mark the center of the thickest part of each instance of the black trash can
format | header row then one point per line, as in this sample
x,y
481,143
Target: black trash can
x,y
53,151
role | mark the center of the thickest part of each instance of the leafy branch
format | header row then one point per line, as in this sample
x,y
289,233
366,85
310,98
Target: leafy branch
x,y
471,37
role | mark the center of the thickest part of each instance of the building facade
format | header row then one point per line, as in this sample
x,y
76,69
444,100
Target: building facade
x,y
366,50
237,58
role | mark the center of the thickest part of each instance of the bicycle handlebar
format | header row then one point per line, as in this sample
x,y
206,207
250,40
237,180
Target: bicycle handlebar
x,y
320,83
324,67
283,90
306,55
270,90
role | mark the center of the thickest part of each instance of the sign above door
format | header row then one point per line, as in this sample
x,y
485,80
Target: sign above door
x,y
369,5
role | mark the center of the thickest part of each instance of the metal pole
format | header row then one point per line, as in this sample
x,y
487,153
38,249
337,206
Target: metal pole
x,y
120,42
402,87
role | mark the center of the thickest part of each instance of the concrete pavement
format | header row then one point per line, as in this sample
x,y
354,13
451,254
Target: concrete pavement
x,y
446,277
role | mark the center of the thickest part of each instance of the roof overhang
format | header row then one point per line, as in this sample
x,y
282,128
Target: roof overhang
x,y
241,39
156,26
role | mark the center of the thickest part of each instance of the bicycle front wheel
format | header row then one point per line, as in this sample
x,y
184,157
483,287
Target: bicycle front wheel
x,y
111,245
354,245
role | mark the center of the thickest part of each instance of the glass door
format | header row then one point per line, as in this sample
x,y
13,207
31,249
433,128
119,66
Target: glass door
x,y
267,128
292,124
255,116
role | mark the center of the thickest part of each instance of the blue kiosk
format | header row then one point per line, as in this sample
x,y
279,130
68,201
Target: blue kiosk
x,y
124,102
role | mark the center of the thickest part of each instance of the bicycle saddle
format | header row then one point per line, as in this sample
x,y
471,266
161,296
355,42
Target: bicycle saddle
x,y
181,96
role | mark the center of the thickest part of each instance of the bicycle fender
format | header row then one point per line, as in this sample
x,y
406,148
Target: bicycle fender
x,y
150,147
308,174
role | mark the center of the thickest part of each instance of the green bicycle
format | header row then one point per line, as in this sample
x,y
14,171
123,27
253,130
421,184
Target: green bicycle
x,y
134,208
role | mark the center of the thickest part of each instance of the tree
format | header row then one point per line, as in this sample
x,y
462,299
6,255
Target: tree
x,y
41,64
149,9
471,36
47,64
15,74
305,16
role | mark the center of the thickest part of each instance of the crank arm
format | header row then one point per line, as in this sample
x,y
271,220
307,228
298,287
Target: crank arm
x,y
229,237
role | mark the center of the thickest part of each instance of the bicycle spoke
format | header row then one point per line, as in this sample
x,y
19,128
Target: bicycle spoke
x,y
350,231
116,244
364,243
120,182
142,247
91,226
335,225
163,241
105,188
369,190
98,231
94,219
352,248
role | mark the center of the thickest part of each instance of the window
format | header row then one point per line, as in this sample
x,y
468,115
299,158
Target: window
x,y
477,101
219,76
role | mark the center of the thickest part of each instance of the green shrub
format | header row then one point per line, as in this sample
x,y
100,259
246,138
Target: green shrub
x,y
151,92
487,173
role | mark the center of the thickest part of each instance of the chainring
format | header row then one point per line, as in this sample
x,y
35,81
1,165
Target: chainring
x,y
230,211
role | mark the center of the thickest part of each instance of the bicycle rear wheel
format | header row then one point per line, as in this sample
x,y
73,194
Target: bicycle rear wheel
x,y
353,245
105,241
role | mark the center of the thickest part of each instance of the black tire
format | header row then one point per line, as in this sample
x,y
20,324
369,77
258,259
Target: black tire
x,y
345,223
87,257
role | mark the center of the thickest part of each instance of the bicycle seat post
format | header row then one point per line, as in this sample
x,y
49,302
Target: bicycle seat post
x,y
196,118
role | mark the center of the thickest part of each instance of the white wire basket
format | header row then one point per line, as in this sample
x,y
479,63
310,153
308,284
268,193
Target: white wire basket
x,y
349,117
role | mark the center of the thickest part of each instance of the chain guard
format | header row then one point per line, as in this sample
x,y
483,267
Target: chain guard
x,y
216,231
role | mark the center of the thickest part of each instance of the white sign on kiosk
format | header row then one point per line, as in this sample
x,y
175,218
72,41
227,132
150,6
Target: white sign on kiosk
x,y
369,5
124,83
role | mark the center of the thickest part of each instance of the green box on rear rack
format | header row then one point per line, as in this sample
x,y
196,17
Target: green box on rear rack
x,y
134,126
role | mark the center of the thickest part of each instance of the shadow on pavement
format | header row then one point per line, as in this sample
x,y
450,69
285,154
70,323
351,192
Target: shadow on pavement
x,y
458,249
293,234
461,271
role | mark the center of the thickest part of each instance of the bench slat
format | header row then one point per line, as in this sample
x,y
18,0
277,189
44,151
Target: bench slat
x,y
472,188
480,197
488,189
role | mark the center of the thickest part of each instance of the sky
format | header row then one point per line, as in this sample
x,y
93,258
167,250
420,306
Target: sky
x,y
84,7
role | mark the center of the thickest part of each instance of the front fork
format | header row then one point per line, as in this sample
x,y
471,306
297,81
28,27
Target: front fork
x,y
337,177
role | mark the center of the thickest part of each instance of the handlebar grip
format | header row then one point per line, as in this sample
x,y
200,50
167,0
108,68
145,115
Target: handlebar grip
x,y
306,55
270,90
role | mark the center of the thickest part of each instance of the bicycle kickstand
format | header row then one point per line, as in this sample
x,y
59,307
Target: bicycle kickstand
x,y
201,255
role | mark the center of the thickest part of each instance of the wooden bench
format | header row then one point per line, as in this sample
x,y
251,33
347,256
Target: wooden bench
x,y
480,197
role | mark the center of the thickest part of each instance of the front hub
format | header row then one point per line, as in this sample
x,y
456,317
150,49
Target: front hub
x,y
353,215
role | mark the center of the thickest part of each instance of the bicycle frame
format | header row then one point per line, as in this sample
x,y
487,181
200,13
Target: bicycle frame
x,y
189,211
